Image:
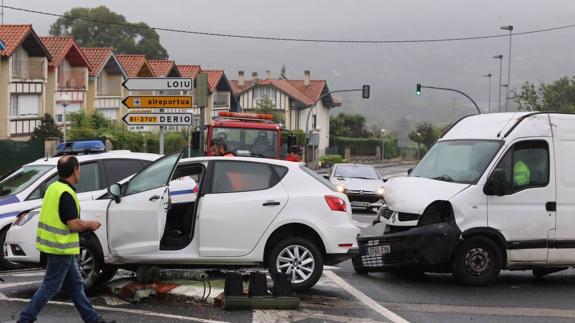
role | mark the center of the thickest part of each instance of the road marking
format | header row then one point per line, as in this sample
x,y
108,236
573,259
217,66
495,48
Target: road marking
x,y
277,316
364,298
485,310
331,268
32,274
9,285
121,310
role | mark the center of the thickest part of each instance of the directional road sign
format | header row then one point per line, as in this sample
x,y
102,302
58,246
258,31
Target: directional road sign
x,y
158,119
158,102
158,84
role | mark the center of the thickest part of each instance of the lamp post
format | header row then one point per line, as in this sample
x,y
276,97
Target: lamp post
x,y
314,131
510,28
382,145
418,148
500,58
489,105
64,101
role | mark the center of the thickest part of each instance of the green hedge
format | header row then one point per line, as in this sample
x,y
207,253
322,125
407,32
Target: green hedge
x,y
367,146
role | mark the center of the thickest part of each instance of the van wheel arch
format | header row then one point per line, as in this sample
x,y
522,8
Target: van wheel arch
x,y
491,234
290,231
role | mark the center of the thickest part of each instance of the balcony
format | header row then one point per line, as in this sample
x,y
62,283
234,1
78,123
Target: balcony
x,y
28,70
111,87
71,80
23,126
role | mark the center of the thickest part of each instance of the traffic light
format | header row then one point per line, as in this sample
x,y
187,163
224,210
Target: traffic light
x,y
418,89
365,91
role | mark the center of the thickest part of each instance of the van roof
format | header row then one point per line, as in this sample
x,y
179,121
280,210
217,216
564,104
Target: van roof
x,y
494,126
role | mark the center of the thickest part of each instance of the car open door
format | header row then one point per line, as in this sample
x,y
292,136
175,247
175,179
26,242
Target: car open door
x,y
136,222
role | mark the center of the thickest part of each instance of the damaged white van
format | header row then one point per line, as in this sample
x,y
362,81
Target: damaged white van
x,y
497,191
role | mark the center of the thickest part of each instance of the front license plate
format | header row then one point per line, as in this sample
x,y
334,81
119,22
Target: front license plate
x,y
357,203
379,250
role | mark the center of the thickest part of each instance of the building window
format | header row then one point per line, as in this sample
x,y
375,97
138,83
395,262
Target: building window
x,y
314,122
59,118
264,91
24,105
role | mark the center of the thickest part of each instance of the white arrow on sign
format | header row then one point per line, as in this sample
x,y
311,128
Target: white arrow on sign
x,y
159,119
158,84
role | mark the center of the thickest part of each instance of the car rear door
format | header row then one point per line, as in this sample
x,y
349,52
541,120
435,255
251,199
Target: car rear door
x,y
241,200
136,223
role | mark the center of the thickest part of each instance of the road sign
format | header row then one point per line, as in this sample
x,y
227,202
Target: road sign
x,y
158,102
159,84
158,119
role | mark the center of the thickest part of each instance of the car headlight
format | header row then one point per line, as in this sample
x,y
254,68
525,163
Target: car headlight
x,y
340,188
24,217
379,191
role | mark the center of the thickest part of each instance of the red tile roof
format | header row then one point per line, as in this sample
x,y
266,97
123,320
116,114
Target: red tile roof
x,y
162,67
133,64
190,71
214,77
97,57
65,47
293,88
14,35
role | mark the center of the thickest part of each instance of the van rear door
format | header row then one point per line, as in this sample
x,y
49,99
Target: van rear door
x,y
563,249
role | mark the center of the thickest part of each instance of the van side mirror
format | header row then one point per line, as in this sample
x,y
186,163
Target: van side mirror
x,y
495,184
326,176
115,190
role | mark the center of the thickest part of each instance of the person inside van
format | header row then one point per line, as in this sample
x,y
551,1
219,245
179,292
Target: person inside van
x,y
521,174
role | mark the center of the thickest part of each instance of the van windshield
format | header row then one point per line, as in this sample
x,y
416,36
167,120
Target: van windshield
x,y
459,161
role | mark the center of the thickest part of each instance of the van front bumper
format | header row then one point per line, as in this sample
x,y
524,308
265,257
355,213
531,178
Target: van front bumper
x,y
422,247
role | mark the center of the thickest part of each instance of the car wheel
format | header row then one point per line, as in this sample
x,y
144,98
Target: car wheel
x,y
477,261
4,263
90,261
298,258
358,265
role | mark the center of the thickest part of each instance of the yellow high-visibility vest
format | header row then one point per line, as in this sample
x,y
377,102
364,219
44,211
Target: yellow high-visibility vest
x,y
53,236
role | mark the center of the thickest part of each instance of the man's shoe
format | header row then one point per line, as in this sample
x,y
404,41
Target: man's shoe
x,y
105,321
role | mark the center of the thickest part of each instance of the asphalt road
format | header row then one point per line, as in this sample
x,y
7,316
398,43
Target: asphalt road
x,y
342,296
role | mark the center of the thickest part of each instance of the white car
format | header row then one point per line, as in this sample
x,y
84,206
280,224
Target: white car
x,y
248,212
361,183
23,189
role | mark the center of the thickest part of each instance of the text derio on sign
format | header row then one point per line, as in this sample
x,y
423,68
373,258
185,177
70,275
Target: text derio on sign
x,y
175,119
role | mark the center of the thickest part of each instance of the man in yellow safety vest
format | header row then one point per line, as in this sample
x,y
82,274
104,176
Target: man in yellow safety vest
x,y
57,237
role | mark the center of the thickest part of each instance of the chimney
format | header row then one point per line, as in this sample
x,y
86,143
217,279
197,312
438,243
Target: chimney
x,y
241,78
268,75
255,76
306,78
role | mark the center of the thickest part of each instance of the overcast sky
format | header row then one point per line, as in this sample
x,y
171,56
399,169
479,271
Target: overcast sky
x,y
391,69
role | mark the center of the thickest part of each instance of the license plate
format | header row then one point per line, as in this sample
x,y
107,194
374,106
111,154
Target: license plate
x,y
379,250
357,203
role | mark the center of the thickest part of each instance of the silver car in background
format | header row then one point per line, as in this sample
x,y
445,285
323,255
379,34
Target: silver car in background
x,y
361,183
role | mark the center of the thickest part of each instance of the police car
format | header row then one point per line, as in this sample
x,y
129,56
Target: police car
x,y
24,188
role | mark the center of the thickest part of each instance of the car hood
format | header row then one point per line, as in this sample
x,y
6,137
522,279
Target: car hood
x,y
359,184
414,194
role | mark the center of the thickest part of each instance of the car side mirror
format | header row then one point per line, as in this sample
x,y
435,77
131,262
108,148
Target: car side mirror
x,y
115,191
409,171
326,176
495,184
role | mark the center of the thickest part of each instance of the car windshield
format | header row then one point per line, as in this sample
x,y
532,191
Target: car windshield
x,y
459,161
356,171
22,178
249,142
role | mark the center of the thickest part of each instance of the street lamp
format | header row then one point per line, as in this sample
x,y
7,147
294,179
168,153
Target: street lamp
x,y
382,144
489,76
65,101
500,58
314,131
510,28
418,137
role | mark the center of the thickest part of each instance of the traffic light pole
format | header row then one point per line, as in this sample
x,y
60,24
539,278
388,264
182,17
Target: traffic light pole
x,y
453,90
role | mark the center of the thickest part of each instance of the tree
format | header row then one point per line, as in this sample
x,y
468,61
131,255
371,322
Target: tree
x,y
348,125
283,73
266,105
101,27
558,96
47,128
425,134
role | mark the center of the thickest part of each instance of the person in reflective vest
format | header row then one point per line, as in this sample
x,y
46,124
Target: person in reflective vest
x,y
57,237
521,174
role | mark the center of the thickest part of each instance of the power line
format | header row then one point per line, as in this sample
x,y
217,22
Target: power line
x,y
289,39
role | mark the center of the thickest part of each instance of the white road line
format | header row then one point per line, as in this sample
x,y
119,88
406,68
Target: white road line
x,y
331,268
364,298
9,285
121,310
32,274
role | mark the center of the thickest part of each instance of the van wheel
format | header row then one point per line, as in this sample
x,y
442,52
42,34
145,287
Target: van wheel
x,y
90,261
477,261
4,263
298,258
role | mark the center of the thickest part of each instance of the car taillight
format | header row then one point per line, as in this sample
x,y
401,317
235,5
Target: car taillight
x,y
336,203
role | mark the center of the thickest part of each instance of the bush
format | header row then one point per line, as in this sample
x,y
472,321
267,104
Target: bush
x,y
367,146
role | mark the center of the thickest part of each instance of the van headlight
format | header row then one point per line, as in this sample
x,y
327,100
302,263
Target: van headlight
x,y
24,217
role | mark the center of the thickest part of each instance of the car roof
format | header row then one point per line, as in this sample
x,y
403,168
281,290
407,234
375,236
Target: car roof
x,y
53,161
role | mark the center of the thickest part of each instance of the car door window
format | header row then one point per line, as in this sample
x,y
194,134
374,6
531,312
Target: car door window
x,y
118,169
236,176
89,178
526,165
154,176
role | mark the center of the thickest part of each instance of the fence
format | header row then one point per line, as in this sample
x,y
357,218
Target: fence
x,y
18,153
